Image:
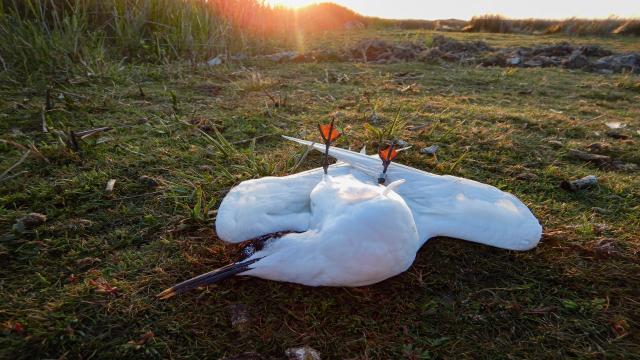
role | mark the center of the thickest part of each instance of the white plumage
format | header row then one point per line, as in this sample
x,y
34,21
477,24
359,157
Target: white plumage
x,y
335,250
345,230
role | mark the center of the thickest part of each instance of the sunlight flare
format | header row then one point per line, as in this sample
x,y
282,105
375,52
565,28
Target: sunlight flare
x,y
290,3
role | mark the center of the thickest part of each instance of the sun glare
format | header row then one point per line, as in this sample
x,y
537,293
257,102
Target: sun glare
x,y
291,3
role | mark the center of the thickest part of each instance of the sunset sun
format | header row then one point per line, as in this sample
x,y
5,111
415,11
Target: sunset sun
x,y
290,3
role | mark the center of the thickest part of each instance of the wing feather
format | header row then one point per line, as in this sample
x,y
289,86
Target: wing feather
x,y
452,206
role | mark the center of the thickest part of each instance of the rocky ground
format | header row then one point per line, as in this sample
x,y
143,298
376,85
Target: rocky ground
x,y
445,49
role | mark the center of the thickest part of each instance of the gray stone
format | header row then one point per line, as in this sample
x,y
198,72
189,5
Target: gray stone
x,y
618,165
594,51
302,353
514,61
579,184
215,61
617,134
30,221
618,63
282,56
401,143
429,150
576,61
148,181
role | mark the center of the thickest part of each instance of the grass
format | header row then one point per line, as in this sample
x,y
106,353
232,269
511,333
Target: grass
x,y
45,37
498,40
83,283
569,27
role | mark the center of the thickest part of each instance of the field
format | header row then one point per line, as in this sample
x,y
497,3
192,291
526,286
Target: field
x,y
83,283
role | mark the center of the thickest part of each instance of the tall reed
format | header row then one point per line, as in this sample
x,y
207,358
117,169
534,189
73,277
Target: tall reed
x,y
570,27
54,36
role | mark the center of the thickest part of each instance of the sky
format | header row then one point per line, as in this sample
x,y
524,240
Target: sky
x,y
465,9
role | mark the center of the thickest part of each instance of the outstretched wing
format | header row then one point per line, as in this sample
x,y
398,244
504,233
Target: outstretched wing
x,y
452,206
270,204
266,205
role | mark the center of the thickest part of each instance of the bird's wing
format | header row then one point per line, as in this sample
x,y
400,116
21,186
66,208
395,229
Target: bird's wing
x,y
266,205
269,204
452,206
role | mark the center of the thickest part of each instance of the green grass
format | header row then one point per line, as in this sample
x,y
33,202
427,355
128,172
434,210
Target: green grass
x,y
566,298
43,38
614,43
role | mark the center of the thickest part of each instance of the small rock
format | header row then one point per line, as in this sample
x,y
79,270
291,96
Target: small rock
x,y
375,119
617,134
559,49
215,61
618,63
29,221
615,125
618,165
302,353
598,147
148,181
402,143
576,60
283,56
583,183
594,50
239,317
370,50
534,63
429,150
514,61
33,219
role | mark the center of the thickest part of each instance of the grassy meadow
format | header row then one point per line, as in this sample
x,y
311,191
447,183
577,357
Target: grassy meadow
x,y
83,283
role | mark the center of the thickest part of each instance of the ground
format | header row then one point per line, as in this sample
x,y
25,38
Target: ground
x,y
83,284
